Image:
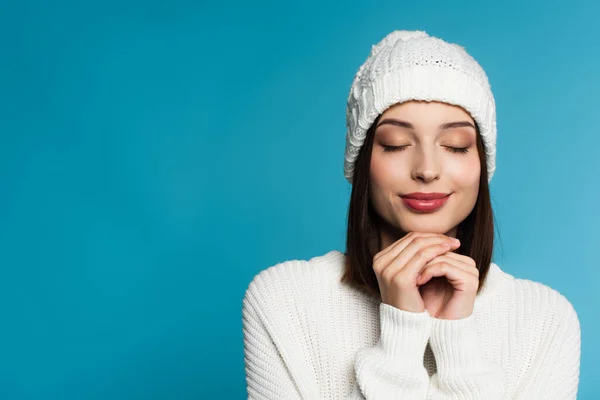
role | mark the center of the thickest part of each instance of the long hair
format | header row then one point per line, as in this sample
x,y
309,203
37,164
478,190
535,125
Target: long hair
x,y
363,240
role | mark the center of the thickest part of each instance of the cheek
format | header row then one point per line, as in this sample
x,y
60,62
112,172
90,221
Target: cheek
x,y
466,173
385,169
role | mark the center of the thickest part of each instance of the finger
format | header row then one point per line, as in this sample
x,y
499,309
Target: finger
x,y
465,259
415,256
393,250
413,243
452,258
385,257
458,278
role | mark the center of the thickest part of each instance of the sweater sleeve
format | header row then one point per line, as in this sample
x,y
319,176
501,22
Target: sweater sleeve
x,y
558,361
563,379
393,367
267,376
462,371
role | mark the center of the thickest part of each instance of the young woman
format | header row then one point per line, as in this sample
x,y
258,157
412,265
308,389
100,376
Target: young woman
x,y
415,308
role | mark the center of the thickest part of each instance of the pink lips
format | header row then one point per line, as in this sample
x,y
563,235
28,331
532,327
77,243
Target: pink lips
x,y
425,202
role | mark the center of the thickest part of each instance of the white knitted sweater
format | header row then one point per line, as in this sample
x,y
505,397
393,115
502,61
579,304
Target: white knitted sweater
x,y
307,336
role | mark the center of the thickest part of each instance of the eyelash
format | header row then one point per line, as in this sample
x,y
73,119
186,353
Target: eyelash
x,y
460,150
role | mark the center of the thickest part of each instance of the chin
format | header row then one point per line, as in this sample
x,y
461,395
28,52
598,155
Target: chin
x,y
424,226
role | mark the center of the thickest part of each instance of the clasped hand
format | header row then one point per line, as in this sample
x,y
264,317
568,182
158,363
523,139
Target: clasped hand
x,y
420,271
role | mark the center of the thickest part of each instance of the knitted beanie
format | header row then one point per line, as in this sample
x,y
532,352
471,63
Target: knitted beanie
x,y
411,65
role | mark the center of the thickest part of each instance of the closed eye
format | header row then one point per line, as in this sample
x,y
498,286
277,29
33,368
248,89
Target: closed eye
x,y
393,148
461,150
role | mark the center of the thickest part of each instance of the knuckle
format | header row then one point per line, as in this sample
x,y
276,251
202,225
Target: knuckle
x,y
376,257
420,240
378,267
421,254
399,280
385,274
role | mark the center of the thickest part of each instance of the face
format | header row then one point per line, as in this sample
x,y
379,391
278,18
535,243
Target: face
x,y
437,152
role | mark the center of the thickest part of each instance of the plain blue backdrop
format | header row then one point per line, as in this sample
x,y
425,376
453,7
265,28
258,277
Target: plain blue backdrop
x,y
156,155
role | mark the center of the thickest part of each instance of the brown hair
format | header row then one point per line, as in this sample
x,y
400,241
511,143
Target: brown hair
x,y
363,241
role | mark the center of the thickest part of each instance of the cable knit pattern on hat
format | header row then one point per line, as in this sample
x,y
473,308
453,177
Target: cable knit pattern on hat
x,y
307,336
411,65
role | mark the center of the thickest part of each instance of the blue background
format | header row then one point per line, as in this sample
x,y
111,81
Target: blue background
x,y
156,155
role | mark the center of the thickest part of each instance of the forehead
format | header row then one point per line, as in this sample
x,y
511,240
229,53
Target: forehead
x,y
423,112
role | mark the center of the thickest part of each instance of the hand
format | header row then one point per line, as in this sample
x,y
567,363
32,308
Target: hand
x,y
448,285
398,266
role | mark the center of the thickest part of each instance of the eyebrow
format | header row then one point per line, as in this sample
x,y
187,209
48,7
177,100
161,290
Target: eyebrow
x,y
404,124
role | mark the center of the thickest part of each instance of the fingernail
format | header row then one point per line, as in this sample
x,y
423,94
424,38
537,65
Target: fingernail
x,y
455,240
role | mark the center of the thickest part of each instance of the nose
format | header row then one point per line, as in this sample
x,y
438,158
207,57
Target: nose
x,y
425,168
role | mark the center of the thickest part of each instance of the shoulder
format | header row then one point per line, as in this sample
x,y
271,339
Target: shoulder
x,y
293,280
539,293
325,265
544,306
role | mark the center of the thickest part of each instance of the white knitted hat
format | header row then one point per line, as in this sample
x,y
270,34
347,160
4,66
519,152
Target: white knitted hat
x,y
411,65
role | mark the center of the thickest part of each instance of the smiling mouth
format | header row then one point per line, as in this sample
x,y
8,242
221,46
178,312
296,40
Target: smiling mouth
x,y
425,206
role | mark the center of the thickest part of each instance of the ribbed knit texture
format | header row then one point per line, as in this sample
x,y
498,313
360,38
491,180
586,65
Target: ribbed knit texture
x,y
307,336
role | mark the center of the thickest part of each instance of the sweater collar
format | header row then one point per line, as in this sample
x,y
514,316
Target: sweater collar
x,y
495,281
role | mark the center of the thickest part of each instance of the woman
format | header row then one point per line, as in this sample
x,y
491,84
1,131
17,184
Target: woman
x,y
415,308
